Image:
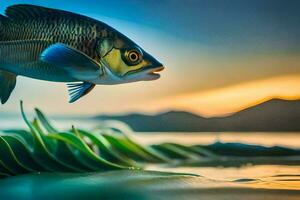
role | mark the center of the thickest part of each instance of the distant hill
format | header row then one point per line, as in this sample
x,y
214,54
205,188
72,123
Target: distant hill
x,y
273,115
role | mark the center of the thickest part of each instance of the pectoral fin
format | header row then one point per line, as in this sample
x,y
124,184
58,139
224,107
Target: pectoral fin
x,y
74,62
7,85
78,90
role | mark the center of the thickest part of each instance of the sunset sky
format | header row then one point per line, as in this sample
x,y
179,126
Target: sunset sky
x,y
220,56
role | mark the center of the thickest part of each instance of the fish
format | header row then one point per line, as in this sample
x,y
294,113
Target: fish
x,y
61,46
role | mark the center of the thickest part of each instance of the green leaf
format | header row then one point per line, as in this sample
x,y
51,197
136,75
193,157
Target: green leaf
x,y
46,149
77,142
9,159
106,150
45,121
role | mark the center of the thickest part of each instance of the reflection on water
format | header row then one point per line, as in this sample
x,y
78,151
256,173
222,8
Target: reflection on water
x,y
264,176
279,174
149,185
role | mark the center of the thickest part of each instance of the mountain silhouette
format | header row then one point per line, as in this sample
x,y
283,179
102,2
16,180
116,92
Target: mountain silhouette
x,y
274,115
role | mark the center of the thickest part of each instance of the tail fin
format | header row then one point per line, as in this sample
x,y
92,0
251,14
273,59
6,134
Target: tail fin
x,y
7,84
2,27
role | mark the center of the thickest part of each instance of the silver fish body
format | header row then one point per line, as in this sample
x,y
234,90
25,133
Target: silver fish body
x,y
48,26
60,46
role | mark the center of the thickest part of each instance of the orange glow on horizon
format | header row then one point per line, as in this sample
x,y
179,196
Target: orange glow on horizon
x,y
231,99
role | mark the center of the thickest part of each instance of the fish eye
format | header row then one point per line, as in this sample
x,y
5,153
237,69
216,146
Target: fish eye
x,y
134,56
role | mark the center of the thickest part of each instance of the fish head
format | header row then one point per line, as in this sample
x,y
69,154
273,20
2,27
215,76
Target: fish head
x,y
127,61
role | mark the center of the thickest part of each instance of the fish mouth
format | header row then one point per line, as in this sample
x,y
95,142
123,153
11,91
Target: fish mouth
x,y
153,72
147,73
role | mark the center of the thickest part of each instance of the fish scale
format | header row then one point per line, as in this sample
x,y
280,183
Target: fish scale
x,y
81,34
74,33
60,46
27,55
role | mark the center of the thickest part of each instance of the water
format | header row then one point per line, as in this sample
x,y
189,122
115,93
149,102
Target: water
x,y
262,176
266,176
286,139
143,185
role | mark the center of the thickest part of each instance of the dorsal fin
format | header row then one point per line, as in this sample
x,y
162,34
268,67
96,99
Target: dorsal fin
x,y
26,11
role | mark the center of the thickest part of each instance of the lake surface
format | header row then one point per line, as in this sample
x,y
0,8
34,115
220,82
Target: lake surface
x,y
286,139
285,178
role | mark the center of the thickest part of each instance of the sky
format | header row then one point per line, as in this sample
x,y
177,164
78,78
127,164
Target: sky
x,y
220,56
